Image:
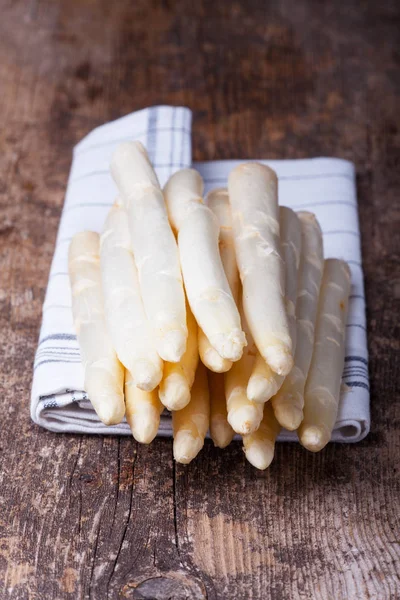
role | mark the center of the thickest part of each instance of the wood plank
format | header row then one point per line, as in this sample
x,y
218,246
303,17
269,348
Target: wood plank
x,y
99,517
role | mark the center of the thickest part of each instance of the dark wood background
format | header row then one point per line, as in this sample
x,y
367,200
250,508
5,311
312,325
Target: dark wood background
x,y
101,517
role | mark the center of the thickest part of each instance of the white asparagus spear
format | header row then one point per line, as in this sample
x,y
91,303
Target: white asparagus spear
x,y
127,323
154,248
253,197
143,411
174,390
264,383
259,446
288,402
206,284
218,201
220,430
210,357
190,424
244,416
104,374
322,392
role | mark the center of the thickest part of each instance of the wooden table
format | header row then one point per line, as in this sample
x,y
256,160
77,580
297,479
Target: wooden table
x,y
102,517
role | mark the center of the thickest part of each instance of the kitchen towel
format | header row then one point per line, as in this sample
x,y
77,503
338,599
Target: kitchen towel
x,y
325,186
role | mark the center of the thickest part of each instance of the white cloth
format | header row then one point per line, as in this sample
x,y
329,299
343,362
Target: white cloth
x,y
325,186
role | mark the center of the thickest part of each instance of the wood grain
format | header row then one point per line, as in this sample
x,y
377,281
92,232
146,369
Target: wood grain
x,y
98,517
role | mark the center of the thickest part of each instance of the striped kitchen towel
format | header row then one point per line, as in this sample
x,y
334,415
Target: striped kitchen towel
x,y
325,186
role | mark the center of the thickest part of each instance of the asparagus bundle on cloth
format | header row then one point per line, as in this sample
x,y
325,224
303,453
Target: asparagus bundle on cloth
x,y
191,424
133,320
253,197
206,284
143,411
154,248
264,382
220,430
104,374
127,323
259,446
178,377
323,384
218,201
289,400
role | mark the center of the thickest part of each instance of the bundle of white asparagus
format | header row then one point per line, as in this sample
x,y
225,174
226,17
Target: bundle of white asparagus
x,y
221,310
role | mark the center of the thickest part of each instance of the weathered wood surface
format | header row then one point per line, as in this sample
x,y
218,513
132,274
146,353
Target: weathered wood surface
x,y
98,517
